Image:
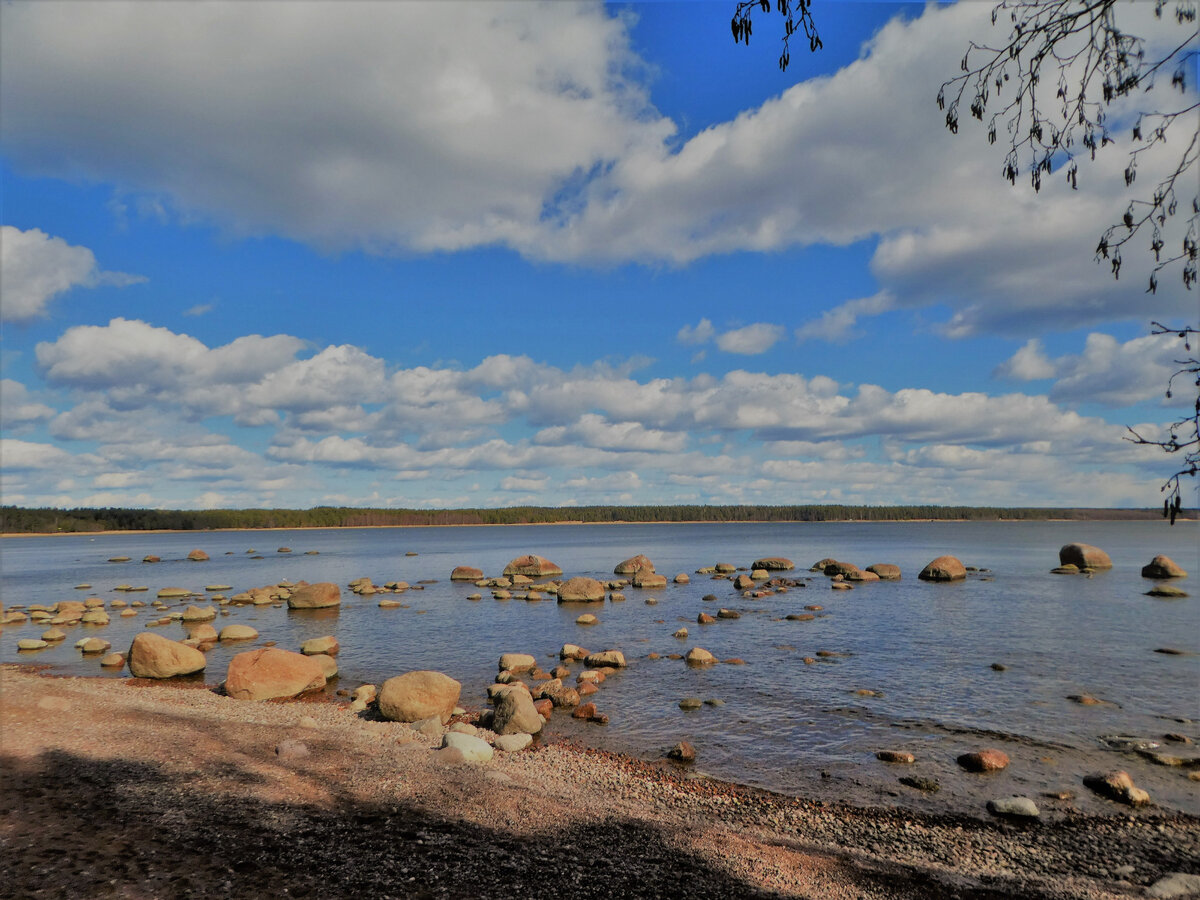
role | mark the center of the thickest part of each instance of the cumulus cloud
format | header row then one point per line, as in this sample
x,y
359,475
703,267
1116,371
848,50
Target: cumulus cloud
x,y
1028,364
700,333
751,339
836,325
17,407
36,267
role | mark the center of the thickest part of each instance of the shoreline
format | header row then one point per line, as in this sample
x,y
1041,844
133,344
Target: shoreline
x,y
132,776
263,530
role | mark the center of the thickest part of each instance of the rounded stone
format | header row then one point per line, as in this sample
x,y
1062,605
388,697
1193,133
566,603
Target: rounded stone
x,y
419,695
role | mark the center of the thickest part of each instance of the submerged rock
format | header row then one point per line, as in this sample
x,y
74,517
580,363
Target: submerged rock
x,y
1085,556
1162,567
634,564
1118,786
944,568
581,590
533,566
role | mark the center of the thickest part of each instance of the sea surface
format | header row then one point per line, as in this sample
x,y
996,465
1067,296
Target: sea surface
x,y
925,650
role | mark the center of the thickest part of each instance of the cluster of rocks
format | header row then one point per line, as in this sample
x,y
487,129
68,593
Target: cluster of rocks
x,y
1084,559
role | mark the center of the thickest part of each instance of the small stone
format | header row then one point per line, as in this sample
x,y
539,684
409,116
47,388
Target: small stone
x,y
921,783
512,743
902,757
682,752
984,761
1118,786
1175,885
689,703
1017,807
698,656
474,749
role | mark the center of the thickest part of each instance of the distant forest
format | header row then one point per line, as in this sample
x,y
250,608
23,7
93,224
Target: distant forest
x,y
17,520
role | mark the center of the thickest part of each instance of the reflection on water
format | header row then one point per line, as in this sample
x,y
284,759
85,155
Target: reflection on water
x,y
925,651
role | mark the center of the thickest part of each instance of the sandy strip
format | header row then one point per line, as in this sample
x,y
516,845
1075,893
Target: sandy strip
x,y
126,789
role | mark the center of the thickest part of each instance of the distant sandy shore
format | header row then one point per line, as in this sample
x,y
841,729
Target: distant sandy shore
x,y
134,789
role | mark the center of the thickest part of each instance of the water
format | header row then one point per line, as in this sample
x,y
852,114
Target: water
x,y
926,649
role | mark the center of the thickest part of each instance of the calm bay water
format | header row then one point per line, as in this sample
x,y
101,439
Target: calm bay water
x,y
787,726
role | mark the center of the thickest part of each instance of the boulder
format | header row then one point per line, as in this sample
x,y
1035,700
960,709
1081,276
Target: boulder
x,y
199,614
514,712
466,573
645,579
586,619
1015,807
533,566
705,619
202,632
773,564
512,743
1162,567
270,672
698,656
633,564
580,589
154,656
1167,590
198,556
683,578
113,661
99,645
613,659
682,752
885,571
1085,556
473,749
1118,786
903,757
328,645
95,617
329,666
860,575
320,595
516,662
418,695
173,593
237,633
572,651
743,582
32,644
944,568
984,761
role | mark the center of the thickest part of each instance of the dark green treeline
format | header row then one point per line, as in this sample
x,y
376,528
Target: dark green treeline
x,y
18,520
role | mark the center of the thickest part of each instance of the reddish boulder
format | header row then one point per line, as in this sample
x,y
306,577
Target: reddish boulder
x,y
466,573
321,595
269,672
154,656
944,568
1162,567
414,696
580,589
984,761
1085,556
533,566
634,564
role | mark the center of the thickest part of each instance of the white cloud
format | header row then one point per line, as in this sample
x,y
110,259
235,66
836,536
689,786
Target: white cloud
x,y
1028,364
1117,374
750,340
835,325
700,333
36,267
17,454
17,407
199,309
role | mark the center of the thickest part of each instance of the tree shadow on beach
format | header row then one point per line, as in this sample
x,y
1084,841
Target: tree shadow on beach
x,y
74,827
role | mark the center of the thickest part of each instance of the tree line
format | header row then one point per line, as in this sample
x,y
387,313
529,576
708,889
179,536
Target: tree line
x,y
19,520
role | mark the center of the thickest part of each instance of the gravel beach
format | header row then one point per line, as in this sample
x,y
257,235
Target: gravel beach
x,y
134,789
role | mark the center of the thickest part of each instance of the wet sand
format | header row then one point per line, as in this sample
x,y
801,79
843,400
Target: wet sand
x,y
130,789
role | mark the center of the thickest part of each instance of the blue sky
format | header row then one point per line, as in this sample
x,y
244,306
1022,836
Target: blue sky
x,y
487,254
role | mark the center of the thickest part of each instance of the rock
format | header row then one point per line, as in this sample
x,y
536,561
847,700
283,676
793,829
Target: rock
x,y
683,578
544,707
580,590
698,656
173,593
199,614
902,757
533,566
154,656
1016,807
321,595
1167,590
944,568
430,727
198,556
291,748
743,582
645,579
921,783
515,712
328,665
799,617
682,752
118,559
773,564
237,633
94,617
885,571
98,645
618,597
50,635
1175,886
473,749
584,711
984,761
466,573
728,614
690,703
1118,786
1162,567
151,559
586,619
270,672
327,645
705,619
633,564
364,693
572,651
1065,570
516,662
284,550
113,661
513,743
1085,556
839,568
613,659
682,634
419,695
32,644
203,632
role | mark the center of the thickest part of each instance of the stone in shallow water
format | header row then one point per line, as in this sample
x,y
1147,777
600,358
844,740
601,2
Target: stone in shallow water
x,y
1017,807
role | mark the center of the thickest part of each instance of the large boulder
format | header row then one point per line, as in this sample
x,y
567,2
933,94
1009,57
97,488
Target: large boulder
x,y
154,656
237,633
773,564
580,589
844,569
315,596
533,566
270,672
885,571
466,573
414,696
646,579
634,564
1162,567
198,556
944,568
516,662
1083,555
514,712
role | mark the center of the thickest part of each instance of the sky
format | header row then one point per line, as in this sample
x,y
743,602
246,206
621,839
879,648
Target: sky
x,y
485,254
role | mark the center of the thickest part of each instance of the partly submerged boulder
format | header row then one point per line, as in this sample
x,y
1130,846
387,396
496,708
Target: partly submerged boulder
x,y
270,672
944,568
580,589
466,573
154,656
1085,556
320,595
773,564
533,566
634,564
1163,567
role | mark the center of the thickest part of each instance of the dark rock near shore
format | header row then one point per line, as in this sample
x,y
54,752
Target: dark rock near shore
x,y
682,752
989,760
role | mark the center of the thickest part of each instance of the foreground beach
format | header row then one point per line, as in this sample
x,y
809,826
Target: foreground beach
x,y
128,789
